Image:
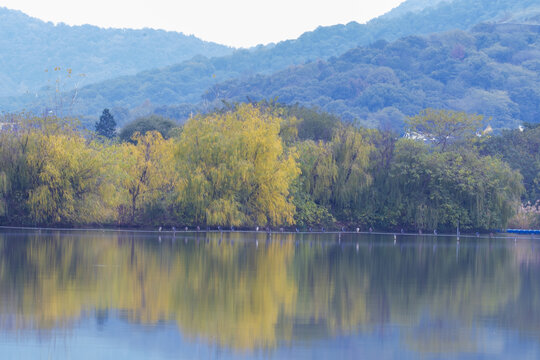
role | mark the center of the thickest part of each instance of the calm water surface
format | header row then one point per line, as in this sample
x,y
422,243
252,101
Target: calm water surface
x,y
108,295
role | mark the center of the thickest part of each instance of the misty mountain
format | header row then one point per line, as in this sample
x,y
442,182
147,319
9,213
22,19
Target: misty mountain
x,y
31,46
492,70
177,90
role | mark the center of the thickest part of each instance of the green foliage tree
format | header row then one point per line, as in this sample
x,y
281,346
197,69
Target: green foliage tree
x,y
444,127
145,124
521,150
432,189
314,124
106,126
336,173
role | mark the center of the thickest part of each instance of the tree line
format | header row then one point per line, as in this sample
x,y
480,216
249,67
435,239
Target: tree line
x,y
260,165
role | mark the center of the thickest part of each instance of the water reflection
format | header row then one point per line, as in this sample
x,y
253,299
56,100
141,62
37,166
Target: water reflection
x,y
253,292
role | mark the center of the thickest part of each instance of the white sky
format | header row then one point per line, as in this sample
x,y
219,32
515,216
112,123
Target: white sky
x,y
240,23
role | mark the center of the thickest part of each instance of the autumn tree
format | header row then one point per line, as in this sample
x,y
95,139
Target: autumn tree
x,y
146,173
236,169
50,174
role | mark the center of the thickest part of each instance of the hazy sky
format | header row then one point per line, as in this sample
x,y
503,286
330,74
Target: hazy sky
x,y
232,22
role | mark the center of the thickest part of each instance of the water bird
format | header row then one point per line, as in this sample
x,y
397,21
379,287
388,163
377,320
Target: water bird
x,y
160,228
357,229
257,228
370,229
186,228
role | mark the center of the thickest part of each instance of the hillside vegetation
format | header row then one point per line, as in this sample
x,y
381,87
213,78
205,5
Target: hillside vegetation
x,y
176,90
492,70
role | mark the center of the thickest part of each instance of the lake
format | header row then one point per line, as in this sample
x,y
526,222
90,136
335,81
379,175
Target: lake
x,y
136,295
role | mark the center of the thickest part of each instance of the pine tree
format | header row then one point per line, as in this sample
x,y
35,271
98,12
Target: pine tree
x,y
106,126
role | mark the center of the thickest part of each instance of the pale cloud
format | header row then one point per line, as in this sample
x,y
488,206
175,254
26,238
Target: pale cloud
x,y
231,22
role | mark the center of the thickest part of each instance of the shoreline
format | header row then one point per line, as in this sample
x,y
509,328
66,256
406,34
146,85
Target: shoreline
x,y
216,231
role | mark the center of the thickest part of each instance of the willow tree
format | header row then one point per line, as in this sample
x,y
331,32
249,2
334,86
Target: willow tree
x,y
145,170
236,170
434,189
336,173
50,173
70,180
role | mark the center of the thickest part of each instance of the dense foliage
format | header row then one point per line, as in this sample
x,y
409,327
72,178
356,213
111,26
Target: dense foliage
x,y
247,166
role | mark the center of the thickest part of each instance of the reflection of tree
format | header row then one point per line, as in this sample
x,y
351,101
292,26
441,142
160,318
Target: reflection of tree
x,y
439,291
236,295
333,287
227,290
223,291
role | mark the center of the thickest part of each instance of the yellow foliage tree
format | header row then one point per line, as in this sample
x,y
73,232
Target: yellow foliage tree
x,y
69,180
146,172
236,169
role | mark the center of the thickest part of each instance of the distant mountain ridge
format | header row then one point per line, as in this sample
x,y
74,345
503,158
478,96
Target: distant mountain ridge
x,y
30,46
177,90
492,70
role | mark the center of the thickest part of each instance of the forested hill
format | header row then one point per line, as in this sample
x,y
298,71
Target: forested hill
x,y
492,70
186,82
32,46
